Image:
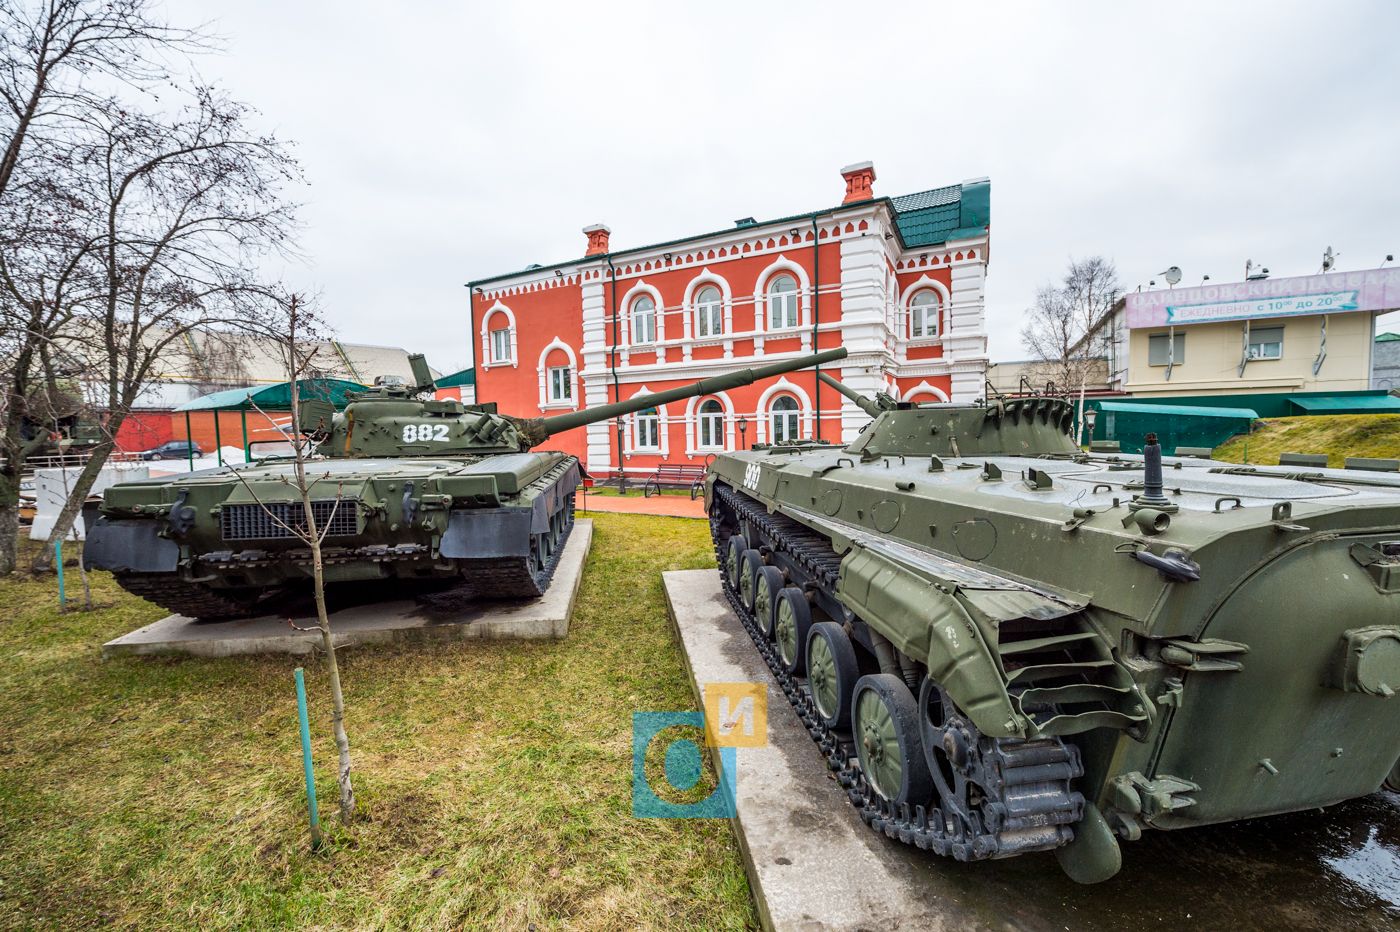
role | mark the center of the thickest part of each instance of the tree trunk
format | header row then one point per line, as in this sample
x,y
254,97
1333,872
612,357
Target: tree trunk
x,y
342,741
76,497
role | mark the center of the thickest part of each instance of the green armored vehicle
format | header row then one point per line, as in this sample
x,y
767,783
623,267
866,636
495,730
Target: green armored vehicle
x,y
405,488
1004,645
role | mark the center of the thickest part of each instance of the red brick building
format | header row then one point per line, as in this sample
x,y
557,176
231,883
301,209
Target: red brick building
x,y
898,281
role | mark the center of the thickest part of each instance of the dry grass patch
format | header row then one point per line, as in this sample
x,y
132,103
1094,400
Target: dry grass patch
x,y
494,778
1337,435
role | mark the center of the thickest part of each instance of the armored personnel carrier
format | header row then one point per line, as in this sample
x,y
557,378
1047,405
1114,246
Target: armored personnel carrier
x,y
1002,644
406,488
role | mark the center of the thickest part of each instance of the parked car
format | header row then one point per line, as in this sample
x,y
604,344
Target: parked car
x,y
174,450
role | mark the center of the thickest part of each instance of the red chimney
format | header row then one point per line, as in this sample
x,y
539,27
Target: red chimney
x,y
597,239
859,177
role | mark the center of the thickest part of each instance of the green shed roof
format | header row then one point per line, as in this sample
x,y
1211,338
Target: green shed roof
x,y
1340,404
1387,337
1176,410
274,397
457,379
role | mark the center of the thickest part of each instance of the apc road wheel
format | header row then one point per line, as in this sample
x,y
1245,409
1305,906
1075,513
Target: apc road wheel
x,y
792,621
832,672
748,573
885,720
767,584
1392,782
734,558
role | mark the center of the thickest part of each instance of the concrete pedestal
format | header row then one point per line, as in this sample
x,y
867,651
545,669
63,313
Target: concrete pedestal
x,y
377,623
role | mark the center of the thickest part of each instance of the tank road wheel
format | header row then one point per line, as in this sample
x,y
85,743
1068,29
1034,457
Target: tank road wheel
x,y
767,584
885,720
1392,782
749,566
734,558
793,619
831,673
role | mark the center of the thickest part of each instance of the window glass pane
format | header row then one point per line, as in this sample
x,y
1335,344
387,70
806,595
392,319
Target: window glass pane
x,y
1266,343
782,302
500,345
1157,349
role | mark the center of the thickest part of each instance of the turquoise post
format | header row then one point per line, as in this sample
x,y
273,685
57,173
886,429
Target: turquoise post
x,y
58,561
306,760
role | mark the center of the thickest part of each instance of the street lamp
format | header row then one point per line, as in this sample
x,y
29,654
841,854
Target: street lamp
x,y
743,431
1090,416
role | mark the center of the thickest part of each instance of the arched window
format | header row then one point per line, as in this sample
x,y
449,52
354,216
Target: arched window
x,y
782,303
643,320
923,314
784,412
711,425
709,313
648,430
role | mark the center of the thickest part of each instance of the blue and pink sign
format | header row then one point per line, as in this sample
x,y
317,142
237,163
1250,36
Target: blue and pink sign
x,y
1332,293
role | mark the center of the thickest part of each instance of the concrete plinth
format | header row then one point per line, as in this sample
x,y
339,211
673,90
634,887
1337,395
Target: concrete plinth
x,y
377,623
812,863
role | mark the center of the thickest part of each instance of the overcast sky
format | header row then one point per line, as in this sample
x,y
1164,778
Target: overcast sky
x,y
446,142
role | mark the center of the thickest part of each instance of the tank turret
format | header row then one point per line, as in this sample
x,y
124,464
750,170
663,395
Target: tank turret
x,y
392,421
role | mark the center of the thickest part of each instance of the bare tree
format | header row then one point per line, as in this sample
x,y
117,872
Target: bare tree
x,y
1064,330
298,344
183,208
61,61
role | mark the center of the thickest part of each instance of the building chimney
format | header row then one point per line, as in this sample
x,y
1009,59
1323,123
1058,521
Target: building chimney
x,y
597,239
859,177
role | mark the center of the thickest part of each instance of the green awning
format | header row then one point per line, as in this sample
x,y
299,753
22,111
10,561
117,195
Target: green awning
x,y
1347,404
1174,410
275,397
457,379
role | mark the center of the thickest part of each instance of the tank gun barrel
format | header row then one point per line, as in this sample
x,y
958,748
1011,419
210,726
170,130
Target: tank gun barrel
x,y
541,428
865,404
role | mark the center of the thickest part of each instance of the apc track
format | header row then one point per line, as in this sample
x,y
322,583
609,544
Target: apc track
x,y
1022,801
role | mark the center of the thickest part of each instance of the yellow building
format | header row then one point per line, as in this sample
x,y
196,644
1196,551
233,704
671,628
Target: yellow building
x,y
1309,335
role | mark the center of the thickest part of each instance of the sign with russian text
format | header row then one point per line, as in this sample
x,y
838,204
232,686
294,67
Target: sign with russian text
x,y
1269,307
1335,292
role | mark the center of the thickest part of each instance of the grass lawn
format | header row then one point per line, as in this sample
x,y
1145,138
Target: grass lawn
x,y
1337,435
494,779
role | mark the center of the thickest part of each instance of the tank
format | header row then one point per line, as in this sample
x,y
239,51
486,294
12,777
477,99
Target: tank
x,y
1003,645
407,488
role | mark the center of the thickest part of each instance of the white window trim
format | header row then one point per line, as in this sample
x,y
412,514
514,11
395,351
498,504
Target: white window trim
x,y
760,296
692,309
923,388
633,293
1279,328
692,424
488,358
543,369
630,433
945,297
804,405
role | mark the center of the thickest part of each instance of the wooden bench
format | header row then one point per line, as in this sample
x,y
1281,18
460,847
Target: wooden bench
x,y
675,477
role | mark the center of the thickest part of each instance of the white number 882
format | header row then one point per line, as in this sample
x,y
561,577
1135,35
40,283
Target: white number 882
x,y
421,433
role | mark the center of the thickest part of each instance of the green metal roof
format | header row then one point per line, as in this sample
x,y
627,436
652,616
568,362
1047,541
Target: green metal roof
x,y
1175,410
275,397
1323,404
457,379
1387,337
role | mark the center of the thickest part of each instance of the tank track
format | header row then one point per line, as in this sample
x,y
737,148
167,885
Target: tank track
x,y
510,578
502,578
193,600
1037,821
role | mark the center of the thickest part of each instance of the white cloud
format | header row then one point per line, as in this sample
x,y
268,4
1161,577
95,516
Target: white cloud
x,y
446,142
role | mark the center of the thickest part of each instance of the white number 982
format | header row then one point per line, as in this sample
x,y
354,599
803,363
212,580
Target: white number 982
x,y
421,433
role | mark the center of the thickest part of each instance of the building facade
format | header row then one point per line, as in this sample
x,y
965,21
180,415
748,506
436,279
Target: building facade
x,y
1304,335
900,282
